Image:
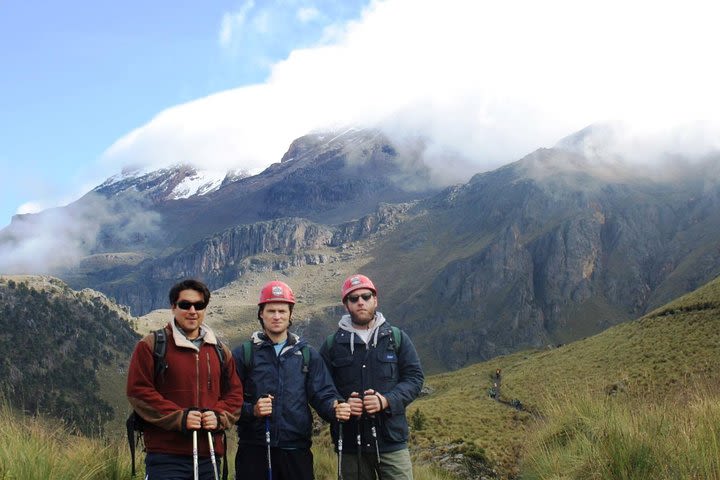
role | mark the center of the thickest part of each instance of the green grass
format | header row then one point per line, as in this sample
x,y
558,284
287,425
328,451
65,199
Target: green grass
x,y
637,401
654,361
37,448
325,461
591,437
45,449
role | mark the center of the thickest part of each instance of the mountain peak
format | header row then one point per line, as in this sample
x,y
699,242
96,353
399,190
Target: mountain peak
x,y
594,141
170,183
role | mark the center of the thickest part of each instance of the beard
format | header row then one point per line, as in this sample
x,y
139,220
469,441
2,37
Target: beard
x,y
362,318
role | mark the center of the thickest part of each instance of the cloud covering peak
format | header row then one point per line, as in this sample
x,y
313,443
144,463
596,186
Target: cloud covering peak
x,y
489,81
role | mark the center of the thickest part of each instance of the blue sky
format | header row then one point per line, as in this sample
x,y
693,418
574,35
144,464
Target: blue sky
x,y
89,87
78,75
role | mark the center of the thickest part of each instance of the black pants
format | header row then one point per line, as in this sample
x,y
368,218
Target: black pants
x,y
160,466
251,463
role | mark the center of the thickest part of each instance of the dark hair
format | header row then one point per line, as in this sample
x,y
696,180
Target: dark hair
x,y
188,284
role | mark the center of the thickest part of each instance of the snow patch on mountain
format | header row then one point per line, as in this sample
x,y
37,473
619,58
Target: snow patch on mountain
x,y
128,174
171,183
199,183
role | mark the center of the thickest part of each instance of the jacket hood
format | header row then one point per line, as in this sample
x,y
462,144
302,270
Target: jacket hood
x,y
346,324
259,337
182,341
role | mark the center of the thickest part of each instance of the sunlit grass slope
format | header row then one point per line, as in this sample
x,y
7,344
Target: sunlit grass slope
x,y
637,401
586,436
657,360
37,448
33,448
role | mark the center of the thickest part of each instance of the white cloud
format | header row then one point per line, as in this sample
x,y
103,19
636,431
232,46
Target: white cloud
x,y
262,21
488,80
307,14
50,197
53,240
233,22
30,207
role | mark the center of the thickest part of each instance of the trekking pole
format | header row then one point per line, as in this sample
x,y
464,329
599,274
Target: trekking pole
x,y
340,445
267,442
196,472
373,431
359,445
212,454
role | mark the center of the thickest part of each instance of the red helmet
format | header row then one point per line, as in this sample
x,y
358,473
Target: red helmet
x,y
356,282
276,291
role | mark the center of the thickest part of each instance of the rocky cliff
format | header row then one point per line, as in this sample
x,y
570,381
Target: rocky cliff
x,y
539,260
221,258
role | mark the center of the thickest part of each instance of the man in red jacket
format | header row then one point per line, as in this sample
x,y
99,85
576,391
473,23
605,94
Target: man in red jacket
x,y
189,394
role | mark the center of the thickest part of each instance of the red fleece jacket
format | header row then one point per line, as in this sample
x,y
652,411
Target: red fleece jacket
x,y
191,380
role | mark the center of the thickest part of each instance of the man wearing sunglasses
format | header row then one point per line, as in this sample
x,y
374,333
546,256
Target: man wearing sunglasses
x,y
376,367
192,393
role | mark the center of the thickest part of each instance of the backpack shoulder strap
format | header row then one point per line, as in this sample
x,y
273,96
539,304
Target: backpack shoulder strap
x,y
306,358
159,349
397,336
134,435
248,355
330,340
219,348
224,374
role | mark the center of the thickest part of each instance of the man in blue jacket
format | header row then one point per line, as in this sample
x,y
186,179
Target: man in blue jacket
x,y
377,368
281,374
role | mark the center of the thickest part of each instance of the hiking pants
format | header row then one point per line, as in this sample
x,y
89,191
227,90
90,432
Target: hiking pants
x,y
393,466
161,466
251,463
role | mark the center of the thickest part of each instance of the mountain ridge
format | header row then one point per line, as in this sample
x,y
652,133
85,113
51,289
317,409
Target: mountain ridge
x,y
553,247
56,341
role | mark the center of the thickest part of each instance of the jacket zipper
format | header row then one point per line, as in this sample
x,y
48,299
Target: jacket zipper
x,y
197,380
207,357
278,397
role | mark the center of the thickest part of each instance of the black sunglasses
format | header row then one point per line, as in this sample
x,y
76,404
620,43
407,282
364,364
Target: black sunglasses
x,y
355,298
185,305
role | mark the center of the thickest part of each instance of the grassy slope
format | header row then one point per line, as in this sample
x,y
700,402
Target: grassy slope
x,y
659,353
656,356
650,359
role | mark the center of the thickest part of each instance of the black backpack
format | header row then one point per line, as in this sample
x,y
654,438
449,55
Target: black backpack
x,y
135,424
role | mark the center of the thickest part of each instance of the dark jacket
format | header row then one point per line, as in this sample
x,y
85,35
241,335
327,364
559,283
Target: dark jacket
x,y
282,377
191,379
394,372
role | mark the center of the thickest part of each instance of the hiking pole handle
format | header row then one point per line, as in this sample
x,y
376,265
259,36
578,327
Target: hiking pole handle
x,y
267,431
